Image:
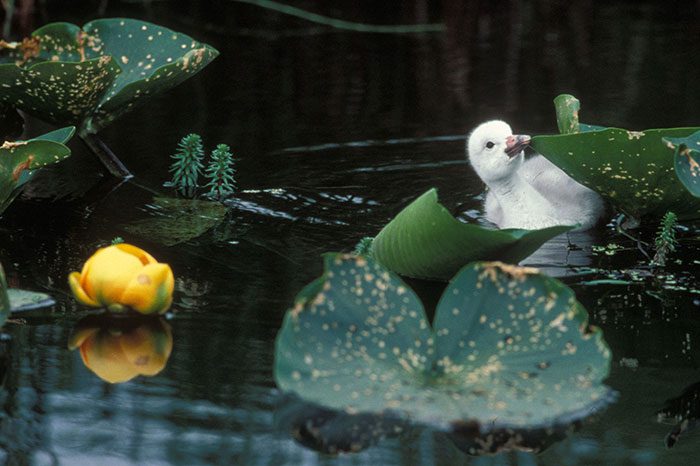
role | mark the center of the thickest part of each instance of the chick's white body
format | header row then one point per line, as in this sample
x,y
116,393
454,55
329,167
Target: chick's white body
x,y
528,194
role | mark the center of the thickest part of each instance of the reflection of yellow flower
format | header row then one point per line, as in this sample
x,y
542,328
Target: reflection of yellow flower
x,y
122,276
117,349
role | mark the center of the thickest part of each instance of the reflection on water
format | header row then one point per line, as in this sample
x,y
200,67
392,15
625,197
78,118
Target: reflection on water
x,y
118,348
683,412
290,98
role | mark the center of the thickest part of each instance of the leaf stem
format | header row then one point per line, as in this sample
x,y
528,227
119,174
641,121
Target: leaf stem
x,y
111,162
345,25
619,222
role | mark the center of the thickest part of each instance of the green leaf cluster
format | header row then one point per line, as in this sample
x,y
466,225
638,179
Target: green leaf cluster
x,y
187,168
187,165
92,75
665,241
220,173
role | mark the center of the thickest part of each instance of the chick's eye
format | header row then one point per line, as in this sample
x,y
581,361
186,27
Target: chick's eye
x,y
490,145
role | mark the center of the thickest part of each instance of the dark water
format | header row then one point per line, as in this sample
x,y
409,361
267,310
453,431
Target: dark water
x,y
335,132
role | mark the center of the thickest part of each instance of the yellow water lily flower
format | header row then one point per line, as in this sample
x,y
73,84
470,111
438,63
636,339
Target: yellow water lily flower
x,y
123,276
118,349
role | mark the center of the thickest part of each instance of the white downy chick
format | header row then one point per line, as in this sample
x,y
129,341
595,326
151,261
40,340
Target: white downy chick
x,y
528,194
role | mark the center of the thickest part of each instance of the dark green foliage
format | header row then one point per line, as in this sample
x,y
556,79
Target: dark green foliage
x,y
630,169
665,239
19,160
364,247
187,165
509,350
425,241
687,161
220,173
91,76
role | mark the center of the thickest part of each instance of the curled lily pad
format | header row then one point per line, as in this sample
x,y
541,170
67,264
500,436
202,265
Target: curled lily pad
x,y
633,170
425,241
19,160
91,76
509,349
687,161
178,220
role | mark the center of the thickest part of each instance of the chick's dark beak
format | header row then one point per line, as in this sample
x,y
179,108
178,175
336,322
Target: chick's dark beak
x,y
516,143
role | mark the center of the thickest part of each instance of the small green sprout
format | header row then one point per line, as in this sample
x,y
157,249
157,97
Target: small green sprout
x,y
187,165
220,173
364,247
117,240
665,239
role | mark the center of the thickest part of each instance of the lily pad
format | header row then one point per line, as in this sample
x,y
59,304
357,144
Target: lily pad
x,y
19,160
425,241
633,170
91,76
687,161
509,349
178,220
23,300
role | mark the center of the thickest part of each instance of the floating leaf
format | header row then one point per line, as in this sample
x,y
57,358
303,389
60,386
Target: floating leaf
x,y
633,170
687,161
178,220
425,241
509,349
19,159
23,300
90,77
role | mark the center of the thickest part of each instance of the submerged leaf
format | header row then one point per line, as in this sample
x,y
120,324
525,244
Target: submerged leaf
x,y
633,170
687,161
509,349
178,220
425,241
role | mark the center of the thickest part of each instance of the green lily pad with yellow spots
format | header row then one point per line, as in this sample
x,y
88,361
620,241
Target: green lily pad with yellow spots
x,y
633,170
91,76
20,159
509,349
687,161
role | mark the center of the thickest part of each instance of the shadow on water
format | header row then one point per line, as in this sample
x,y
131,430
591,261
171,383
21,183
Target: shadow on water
x,y
334,133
